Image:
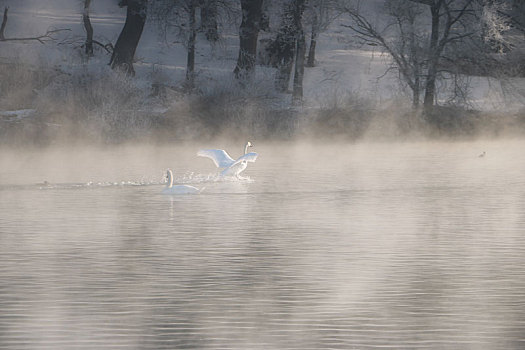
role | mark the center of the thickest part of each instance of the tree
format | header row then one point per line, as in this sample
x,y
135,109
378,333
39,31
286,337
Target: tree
x,y
297,93
248,36
128,40
443,34
503,42
88,46
503,25
284,48
319,14
190,65
179,18
417,38
209,23
4,23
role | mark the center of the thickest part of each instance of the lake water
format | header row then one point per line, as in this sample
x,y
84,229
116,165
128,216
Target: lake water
x,y
364,246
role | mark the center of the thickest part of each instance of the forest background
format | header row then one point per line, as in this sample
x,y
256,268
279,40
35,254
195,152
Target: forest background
x,y
178,70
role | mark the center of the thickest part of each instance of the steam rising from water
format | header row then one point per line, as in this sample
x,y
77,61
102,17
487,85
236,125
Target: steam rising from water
x,y
415,244
89,167
405,245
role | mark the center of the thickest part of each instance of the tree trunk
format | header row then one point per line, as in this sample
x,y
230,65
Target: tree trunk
x,y
209,15
88,49
284,71
248,34
297,94
313,43
430,86
416,65
128,40
286,44
283,47
415,95
4,23
190,66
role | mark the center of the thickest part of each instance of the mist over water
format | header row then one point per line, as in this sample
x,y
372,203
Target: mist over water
x,y
322,245
415,245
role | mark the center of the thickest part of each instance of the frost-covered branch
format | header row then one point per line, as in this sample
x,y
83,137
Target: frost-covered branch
x,y
49,35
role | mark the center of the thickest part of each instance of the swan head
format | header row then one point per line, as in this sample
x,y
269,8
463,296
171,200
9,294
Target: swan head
x,y
169,178
248,145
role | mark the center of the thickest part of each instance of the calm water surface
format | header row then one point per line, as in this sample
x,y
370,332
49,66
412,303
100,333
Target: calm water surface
x,y
396,246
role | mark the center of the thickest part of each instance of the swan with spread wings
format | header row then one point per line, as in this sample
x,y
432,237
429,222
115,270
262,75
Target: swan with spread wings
x,y
229,166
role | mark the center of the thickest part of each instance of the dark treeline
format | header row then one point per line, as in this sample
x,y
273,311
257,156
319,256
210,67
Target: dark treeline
x,y
433,44
429,40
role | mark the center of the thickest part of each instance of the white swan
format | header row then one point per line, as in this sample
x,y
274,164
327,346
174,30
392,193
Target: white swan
x,y
230,166
178,189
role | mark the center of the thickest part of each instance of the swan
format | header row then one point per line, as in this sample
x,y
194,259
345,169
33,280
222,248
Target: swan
x,y
230,166
178,189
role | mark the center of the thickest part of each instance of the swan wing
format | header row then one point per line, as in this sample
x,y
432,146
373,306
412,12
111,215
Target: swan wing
x,y
235,169
248,157
219,157
240,164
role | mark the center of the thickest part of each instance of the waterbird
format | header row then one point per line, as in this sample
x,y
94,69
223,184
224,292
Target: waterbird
x,y
178,189
230,166
44,184
482,155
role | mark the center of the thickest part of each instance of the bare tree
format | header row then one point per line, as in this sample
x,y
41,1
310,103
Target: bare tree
x,y
319,14
190,64
442,34
248,36
88,46
209,19
417,56
4,23
404,45
128,40
180,19
297,93
283,48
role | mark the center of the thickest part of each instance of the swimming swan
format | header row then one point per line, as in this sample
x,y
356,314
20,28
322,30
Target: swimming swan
x,y
178,189
223,160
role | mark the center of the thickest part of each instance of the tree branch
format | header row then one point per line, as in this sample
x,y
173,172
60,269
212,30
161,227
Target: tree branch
x,y
366,31
450,23
48,36
4,22
424,2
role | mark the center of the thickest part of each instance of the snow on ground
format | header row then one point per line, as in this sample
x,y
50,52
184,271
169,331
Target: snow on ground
x,y
18,115
342,70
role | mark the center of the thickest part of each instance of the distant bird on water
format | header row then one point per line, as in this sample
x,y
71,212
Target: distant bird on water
x,y
230,166
482,155
178,189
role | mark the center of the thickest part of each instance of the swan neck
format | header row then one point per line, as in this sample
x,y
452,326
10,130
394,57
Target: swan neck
x,y
170,179
246,148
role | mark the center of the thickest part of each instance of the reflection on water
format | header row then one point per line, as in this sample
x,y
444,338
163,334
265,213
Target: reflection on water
x,y
409,246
